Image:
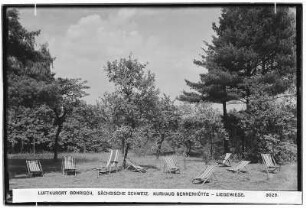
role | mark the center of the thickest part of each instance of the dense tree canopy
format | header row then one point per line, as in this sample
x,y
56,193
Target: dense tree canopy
x,y
32,87
201,128
253,50
254,45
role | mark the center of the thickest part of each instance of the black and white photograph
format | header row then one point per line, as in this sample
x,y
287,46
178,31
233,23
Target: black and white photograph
x,y
152,103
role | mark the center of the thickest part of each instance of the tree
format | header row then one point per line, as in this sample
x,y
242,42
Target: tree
x,y
31,84
85,129
29,129
165,121
251,41
213,87
57,99
27,70
22,55
62,96
201,127
270,126
254,46
132,102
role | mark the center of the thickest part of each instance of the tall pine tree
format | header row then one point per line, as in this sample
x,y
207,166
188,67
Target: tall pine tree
x,y
254,46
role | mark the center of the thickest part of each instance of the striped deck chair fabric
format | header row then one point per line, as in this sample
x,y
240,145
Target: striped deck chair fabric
x,y
270,163
131,165
34,168
112,163
240,167
226,162
68,165
205,175
170,165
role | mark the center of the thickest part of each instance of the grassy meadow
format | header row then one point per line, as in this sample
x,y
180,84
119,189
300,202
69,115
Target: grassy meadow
x,y
154,178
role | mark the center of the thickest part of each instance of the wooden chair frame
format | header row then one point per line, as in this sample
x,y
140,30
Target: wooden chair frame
x,y
71,166
240,166
226,161
111,163
33,173
170,165
134,166
206,174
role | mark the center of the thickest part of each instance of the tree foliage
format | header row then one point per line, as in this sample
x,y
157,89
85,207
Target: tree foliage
x,y
252,58
201,128
253,50
133,102
165,121
85,130
252,43
31,86
270,126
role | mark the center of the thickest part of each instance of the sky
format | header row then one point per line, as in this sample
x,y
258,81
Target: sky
x,y
84,39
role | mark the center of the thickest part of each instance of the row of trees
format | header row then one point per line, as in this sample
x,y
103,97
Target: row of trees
x,y
46,113
252,59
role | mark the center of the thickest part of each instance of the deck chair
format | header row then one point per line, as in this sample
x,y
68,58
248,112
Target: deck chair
x,y
170,165
226,162
240,167
132,166
205,175
270,164
34,168
112,163
68,165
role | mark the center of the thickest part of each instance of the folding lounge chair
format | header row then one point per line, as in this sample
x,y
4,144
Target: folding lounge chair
x,y
205,175
270,163
240,167
112,163
170,165
34,168
131,165
68,165
226,162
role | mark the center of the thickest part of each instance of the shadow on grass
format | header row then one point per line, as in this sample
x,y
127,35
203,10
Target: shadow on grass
x,y
270,172
189,159
23,176
150,167
19,167
84,160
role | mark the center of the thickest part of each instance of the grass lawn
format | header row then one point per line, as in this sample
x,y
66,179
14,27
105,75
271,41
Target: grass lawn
x,y
86,177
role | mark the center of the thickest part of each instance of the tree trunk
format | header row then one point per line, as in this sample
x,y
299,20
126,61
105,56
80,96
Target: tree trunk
x,y
211,147
59,120
84,147
34,146
122,145
188,147
58,131
243,145
224,109
225,142
159,144
247,100
247,104
127,147
22,143
12,147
